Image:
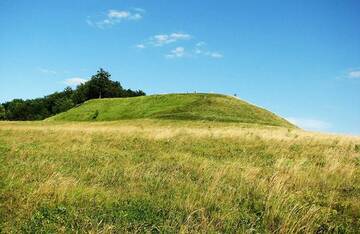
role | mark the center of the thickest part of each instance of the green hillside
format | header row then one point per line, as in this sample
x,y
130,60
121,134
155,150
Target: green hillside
x,y
213,107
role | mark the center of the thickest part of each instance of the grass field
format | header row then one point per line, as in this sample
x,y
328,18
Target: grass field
x,y
170,176
203,106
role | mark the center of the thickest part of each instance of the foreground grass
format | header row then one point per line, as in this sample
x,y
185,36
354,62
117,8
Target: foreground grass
x,y
164,176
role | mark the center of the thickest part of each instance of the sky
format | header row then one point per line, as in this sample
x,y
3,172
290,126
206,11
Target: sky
x,y
298,59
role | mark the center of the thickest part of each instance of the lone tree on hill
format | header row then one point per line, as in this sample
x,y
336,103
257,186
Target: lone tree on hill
x,y
101,85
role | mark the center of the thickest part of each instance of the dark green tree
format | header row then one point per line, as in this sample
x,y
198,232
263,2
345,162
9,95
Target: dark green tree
x,y
2,112
81,94
60,101
99,86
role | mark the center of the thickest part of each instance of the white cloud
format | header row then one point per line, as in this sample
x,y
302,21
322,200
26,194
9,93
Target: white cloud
x,y
310,124
354,74
75,81
198,51
163,39
215,55
199,48
140,46
180,36
47,71
138,9
178,52
116,16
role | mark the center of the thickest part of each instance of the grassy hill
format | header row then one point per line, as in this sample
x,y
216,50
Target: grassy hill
x,y
242,170
213,107
169,176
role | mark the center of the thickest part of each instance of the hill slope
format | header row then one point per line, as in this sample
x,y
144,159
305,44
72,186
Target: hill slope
x,y
213,107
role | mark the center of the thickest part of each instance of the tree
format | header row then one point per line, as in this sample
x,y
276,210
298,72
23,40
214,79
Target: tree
x,y
19,109
60,101
61,105
16,110
81,94
99,86
2,112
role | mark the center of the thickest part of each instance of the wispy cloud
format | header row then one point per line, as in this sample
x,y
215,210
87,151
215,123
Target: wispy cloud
x,y
355,74
117,16
309,123
196,49
163,39
349,74
75,81
140,46
178,52
138,9
200,49
47,71
215,55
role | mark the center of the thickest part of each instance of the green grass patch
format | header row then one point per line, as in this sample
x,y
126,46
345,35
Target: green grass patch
x,y
209,107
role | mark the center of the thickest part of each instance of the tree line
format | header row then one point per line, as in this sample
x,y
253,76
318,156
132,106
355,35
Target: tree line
x,y
99,86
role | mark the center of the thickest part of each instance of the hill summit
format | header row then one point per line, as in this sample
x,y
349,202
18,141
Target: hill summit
x,y
201,106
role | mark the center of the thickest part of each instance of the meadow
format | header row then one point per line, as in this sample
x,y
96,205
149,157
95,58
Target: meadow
x,y
176,176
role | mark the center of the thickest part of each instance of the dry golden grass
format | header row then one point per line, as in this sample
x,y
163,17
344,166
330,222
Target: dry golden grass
x,y
168,176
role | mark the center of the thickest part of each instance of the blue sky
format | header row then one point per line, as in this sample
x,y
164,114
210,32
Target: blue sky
x,y
299,59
